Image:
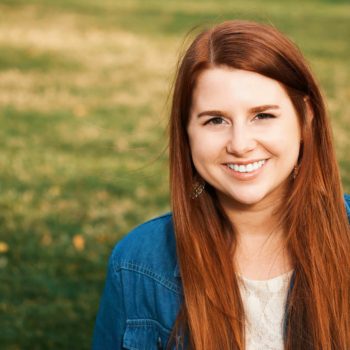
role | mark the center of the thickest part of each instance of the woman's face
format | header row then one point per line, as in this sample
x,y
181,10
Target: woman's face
x,y
244,135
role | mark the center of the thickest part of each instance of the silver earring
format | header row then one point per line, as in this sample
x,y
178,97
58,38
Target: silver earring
x,y
197,188
295,171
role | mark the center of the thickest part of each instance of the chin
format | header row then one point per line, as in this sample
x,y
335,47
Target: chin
x,y
246,198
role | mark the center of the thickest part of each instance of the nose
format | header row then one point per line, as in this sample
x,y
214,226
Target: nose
x,y
241,141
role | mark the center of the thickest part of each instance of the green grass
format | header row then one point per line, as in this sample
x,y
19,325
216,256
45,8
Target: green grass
x,y
83,91
27,59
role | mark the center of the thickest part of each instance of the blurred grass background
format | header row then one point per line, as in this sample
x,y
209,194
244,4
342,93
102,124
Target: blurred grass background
x,y
83,115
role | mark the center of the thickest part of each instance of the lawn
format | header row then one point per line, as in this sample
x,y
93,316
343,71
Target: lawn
x,y
84,88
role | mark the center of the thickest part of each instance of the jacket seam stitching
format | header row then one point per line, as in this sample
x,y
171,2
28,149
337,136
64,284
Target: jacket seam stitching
x,y
130,266
146,322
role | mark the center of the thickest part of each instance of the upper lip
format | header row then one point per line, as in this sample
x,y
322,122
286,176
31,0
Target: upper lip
x,y
244,162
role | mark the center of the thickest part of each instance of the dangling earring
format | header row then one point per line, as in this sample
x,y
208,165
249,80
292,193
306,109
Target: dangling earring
x,y
295,171
197,188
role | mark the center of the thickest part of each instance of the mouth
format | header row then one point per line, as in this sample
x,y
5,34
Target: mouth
x,y
247,168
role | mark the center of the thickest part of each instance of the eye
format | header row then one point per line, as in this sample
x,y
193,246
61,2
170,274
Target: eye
x,y
262,116
215,121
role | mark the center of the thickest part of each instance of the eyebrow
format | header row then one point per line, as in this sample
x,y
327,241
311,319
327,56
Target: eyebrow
x,y
262,108
252,110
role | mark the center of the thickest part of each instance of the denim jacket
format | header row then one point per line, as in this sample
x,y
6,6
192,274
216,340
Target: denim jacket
x,y
143,290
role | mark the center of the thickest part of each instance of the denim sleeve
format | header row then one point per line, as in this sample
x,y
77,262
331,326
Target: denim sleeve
x,y
110,321
347,204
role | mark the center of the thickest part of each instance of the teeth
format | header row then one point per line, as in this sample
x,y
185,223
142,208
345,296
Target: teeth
x,y
248,167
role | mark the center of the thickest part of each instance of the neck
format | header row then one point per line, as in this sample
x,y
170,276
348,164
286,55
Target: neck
x,y
260,240
256,220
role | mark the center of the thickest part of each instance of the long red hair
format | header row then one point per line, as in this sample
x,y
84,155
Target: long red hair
x,y
313,213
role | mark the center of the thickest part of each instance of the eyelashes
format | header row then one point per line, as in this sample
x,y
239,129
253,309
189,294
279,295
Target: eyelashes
x,y
265,116
221,120
215,121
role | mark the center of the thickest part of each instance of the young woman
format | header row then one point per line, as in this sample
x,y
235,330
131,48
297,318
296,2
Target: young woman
x,y
255,254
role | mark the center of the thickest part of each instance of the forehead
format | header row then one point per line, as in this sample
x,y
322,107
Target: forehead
x,y
233,87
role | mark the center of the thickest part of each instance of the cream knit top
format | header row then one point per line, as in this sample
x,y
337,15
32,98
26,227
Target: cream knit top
x,y
264,304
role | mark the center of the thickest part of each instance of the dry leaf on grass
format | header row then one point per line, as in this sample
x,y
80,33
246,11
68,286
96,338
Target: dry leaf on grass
x,y
79,242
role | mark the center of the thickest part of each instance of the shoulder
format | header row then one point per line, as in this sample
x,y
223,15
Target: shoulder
x,y
145,238
142,295
347,204
148,247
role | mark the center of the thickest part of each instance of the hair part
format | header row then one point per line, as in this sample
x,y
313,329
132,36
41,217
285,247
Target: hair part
x,y
312,214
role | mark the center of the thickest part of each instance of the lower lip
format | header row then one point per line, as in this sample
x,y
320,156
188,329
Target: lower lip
x,y
245,176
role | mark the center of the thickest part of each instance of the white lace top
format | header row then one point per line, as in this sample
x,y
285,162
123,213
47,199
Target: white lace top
x,y
264,304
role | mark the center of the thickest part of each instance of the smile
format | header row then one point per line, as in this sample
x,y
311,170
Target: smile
x,y
247,168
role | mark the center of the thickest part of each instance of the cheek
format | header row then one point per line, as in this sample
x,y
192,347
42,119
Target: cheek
x,y
282,147
205,148
200,152
283,140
